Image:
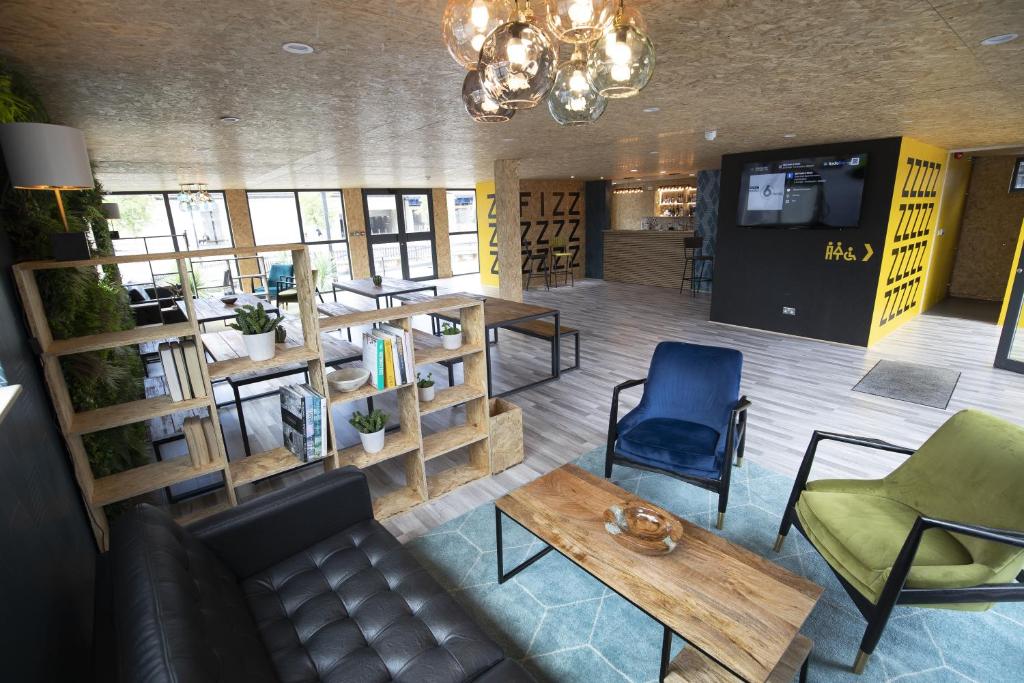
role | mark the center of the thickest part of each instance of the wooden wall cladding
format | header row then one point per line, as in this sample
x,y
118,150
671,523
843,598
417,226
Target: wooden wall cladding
x,y
990,227
628,210
552,208
644,257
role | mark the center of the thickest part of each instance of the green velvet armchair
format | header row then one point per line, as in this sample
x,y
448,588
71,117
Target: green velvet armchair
x,y
945,529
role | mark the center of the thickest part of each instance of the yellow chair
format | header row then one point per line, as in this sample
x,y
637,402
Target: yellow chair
x,y
558,248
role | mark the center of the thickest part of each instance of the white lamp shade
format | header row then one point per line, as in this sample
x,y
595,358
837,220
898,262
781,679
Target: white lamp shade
x,y
42,156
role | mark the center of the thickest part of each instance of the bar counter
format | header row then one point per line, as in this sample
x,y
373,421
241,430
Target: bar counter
x,y
644,257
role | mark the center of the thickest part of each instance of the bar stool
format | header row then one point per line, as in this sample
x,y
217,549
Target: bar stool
x,y
526,253
558,248
692,258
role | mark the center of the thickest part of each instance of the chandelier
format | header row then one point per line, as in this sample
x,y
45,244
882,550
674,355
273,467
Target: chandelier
x,y
514,62
194,197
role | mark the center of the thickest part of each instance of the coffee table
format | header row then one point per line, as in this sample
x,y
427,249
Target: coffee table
x,y
739,613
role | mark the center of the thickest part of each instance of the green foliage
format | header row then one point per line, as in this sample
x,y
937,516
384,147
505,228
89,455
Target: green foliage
x,y
254,320
424,382
377,280
449,328
325,267
78,301
368,424
280,335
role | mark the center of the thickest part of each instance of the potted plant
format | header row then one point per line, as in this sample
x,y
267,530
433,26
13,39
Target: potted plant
x,y
370,428
425,385
451,336
258,331
280,334
377,280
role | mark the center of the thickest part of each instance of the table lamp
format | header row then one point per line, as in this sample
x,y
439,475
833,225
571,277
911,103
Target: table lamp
x,y
42,156
112,212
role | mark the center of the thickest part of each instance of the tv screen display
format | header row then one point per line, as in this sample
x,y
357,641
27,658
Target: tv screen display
x,y
817,192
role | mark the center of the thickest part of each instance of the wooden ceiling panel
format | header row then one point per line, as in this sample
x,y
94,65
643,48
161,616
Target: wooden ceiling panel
x,y
378,103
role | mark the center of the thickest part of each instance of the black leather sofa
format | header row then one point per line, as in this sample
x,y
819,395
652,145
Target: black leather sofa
x,y
299,585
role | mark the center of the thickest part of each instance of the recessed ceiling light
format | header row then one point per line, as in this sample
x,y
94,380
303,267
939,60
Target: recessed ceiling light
x,y
229,119
633,170
1000,39
655,152
692,174
651,110
572,177
602,177
508,139
664,172
789,135
298,48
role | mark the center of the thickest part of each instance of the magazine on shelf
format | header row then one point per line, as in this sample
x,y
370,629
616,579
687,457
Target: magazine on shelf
x,y
404,351
181,370
195,373
170,372
373,359
303,422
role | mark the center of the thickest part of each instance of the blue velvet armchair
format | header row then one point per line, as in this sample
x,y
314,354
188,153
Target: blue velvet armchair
x,y
278,272
691,422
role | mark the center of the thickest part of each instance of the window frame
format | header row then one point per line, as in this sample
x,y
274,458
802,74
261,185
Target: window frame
x,y
475,231
1018,170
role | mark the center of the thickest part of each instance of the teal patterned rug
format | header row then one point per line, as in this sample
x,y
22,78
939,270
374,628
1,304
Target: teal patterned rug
x,y
564,625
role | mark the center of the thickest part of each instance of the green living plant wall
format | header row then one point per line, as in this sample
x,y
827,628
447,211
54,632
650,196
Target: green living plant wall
x,y
78,301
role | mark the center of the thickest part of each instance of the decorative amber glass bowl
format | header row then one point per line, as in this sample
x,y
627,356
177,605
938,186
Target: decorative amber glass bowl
x,y
643,528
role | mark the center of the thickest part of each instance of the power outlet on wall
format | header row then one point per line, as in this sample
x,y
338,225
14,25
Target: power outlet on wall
x,y
789,310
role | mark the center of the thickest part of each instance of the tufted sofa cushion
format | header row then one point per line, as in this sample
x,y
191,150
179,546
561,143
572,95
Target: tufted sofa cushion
x,y
358,607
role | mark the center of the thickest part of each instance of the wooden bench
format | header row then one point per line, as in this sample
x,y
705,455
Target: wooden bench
x,y
541,329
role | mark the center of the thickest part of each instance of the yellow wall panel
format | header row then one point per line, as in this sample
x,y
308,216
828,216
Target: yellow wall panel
x,y
913,216
487,222
944,246
1013,275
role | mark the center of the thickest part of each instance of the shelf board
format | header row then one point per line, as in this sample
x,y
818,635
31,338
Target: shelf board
x,y
128,413
163,256
395,502
439,304
365,391
235,366
395,444
266,464
436,354
436,445
451,479
110,340
134,482
452,396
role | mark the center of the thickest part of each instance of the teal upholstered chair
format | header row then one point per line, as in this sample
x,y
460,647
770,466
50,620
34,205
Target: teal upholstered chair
x,y
278,272
944,529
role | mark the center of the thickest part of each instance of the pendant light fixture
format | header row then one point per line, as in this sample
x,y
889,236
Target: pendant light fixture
x,y
518,61
194,197
578,21
479,104
573,101
467,22
621,62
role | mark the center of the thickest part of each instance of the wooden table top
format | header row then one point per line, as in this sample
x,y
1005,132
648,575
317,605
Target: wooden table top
x,y
333,308
387,287
209,309
731,603
497,312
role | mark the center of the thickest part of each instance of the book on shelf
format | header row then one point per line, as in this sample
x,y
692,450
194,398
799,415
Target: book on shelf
x,y
304,422
373,359
405,361
182,370
212,448
195,440
387,355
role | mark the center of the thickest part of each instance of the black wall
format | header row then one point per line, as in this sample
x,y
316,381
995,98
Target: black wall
x,y
47,552
760,270
598,200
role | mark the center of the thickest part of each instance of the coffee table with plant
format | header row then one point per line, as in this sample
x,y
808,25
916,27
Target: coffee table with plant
x,y
370,428
451,336
259,331
425,385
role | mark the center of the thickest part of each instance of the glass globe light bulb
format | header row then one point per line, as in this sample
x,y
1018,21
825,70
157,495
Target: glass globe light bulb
x,y
467,22
481,106
573,101
621,62
578,21
518,63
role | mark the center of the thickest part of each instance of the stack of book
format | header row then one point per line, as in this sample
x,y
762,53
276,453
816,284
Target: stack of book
x,y
304,422
201,440
387,355
182,370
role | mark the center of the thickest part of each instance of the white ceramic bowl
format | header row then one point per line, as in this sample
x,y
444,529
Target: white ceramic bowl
x,y
348,379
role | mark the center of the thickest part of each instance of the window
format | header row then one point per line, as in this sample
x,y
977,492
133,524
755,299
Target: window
x,y
462,232
1017,180
151,222
313,217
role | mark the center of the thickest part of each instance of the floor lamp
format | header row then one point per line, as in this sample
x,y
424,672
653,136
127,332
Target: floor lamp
x,y
42,156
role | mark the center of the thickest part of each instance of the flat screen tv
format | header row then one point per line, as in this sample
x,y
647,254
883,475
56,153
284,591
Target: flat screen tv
x,y
816,192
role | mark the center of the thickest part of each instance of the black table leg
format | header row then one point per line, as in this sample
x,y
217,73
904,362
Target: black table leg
x,y
504,576
241,420
487,355
556,349
666,653
804,668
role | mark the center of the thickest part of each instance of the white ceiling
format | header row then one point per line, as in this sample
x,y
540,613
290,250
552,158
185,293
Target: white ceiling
x,y
378,103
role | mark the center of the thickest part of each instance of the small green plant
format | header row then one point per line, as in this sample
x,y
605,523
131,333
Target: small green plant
x,y
377,280
449,328
280,335
368,424
254,320
424,382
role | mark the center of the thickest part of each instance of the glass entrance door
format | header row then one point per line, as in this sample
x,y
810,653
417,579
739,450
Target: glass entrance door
x,y
1010,355
400,233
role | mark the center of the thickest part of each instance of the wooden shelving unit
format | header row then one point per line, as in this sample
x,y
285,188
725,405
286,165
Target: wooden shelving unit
x,y
408,444
684,196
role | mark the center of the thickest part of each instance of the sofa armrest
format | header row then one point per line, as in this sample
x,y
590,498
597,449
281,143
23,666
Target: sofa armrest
x,y
273,527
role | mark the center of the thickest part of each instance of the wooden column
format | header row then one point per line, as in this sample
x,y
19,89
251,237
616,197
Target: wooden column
x,y
241,232
506,196
442,244
356,222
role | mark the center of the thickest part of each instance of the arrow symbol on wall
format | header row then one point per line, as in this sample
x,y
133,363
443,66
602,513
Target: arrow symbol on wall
x,y
871,252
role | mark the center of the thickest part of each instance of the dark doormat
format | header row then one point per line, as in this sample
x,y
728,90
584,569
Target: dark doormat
x,y
921,384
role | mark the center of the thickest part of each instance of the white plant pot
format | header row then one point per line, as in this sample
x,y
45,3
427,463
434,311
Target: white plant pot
x,y
451,341
259,346
372,443
426,393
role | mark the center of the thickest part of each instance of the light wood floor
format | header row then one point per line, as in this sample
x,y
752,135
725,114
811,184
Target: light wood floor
x,y
796,385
